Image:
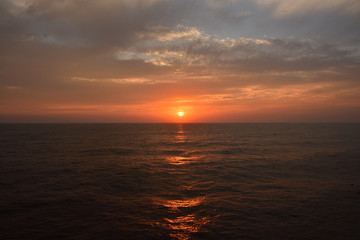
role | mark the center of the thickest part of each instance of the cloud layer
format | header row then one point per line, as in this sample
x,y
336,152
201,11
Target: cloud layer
x,y
266,60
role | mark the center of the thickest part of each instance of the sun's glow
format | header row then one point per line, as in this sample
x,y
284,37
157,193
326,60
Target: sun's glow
x,y
180,114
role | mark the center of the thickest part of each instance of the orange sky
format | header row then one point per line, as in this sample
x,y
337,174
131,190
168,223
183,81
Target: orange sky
x,y
144,61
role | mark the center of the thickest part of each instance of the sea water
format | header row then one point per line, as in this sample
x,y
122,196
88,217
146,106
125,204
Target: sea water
x,y
179,181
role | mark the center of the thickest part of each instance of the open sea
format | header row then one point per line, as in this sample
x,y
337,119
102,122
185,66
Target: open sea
x,y
179,181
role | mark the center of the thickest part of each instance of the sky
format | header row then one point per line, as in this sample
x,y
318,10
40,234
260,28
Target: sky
x,y
147,60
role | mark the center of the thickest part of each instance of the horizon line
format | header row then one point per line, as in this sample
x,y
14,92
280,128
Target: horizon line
x,y
255,122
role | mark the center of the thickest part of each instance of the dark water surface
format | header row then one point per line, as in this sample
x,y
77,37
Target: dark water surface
x,y
179,181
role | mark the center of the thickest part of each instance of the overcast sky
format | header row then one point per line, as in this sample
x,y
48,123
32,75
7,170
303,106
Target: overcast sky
x,y
145,60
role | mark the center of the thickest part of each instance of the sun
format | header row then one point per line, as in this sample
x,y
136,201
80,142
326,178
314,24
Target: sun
x,y
180,114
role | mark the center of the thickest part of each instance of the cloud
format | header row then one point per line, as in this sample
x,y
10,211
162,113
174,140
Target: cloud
x,y
191,47
182,33
78,54
284,7
83,23
141,32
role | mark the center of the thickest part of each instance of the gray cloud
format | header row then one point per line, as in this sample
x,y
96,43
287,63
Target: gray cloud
x,y
189,47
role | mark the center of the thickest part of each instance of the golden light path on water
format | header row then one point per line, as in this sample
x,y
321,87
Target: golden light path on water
x,y
183,222
179,160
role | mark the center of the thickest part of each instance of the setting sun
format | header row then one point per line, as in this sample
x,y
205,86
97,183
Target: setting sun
x,y
180,114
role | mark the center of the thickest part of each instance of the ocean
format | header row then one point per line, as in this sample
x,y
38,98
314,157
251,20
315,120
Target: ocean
x,y
180,181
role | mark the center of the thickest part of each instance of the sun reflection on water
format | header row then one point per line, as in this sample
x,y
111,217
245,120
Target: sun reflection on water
x,y
180,136
182,224
175,204
180,160
183,218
